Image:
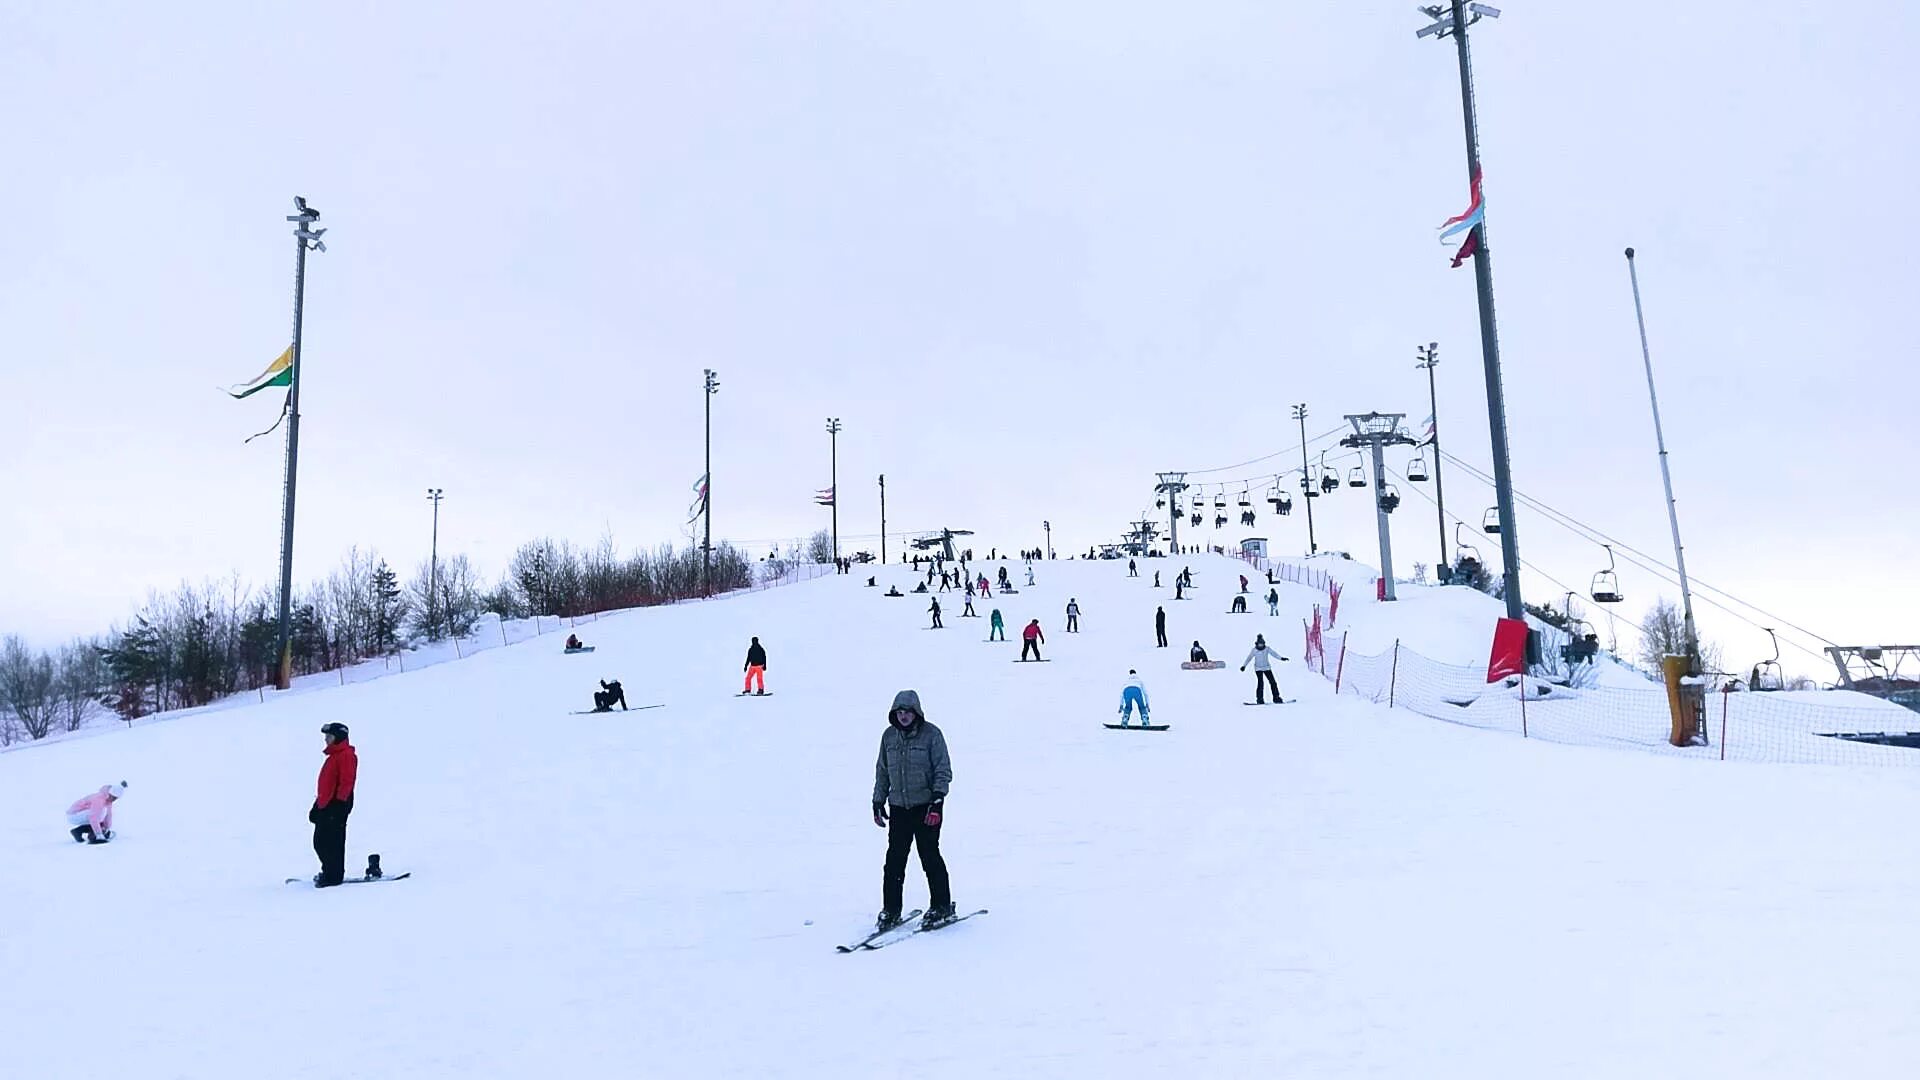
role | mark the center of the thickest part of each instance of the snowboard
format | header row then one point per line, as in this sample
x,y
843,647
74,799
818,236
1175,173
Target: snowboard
x,y
749,693
1042,661
1203,665
353,880
1139,727
1263,703
583,648
636,708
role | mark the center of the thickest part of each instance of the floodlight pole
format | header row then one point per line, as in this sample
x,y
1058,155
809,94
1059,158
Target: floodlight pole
x,y
833,481
1429,359
1048,526
1666,476
883,519
1306,490
304,239
712,384
1453,23
433,560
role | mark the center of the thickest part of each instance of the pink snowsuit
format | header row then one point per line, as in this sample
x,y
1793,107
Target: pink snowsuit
x,y
95,810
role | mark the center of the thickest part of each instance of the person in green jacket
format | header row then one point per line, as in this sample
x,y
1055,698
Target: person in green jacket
x,y
998,630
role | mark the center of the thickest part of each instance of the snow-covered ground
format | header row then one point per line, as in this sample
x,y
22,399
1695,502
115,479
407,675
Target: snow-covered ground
x,y
1325,889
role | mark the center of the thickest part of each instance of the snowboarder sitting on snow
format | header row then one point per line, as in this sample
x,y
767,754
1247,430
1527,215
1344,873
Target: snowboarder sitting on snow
x,y
910,781
920,588
1031,639
1240,605
608,695
755,667
893,590
1197,654
332,804
1262,659
574,643
1134,693
92,816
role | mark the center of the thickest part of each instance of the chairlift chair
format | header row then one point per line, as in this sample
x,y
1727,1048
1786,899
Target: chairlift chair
x,y
1390,498
1244,503
1417,468
1194,520
1219,521
1329,483
1767,674
1465,555
1606,583
1490,521
1159,504
1357,477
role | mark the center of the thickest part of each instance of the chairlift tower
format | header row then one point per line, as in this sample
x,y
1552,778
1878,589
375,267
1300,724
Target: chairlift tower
x,y
1171,485
1300,414
1377,431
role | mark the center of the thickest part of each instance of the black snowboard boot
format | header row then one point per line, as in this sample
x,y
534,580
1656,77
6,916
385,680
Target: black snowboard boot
x,y
81,832
373,868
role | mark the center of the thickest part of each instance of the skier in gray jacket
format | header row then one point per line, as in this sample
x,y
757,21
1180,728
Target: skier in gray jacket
x,y
910,781
1262,659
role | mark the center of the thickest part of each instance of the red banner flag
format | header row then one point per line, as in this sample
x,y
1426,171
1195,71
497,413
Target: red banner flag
x,y
1509,650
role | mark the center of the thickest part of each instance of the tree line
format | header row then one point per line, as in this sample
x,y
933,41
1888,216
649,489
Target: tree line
x,y
202,642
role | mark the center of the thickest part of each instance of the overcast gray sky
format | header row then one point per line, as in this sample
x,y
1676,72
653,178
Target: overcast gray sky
x,y
1028,254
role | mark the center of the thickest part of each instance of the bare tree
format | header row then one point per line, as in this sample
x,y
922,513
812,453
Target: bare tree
x,y
1663,633
79,677
26,685
820,547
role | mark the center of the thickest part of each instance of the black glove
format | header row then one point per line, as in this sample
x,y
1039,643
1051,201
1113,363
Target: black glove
x,y
313,816
880,814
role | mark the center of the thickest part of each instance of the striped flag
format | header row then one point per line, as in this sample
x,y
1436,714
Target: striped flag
x,y
1475,214
1431,428
699,500
824,496
278,373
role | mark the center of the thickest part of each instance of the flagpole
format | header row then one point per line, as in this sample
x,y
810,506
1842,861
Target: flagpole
x,y
1454,23
1429,358
706,494
302,238
833,481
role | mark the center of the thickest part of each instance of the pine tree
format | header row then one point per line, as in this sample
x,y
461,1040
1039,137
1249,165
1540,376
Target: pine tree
x,y
389,608
133,664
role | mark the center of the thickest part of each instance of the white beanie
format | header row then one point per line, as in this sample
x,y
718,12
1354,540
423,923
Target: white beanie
x,y
118,790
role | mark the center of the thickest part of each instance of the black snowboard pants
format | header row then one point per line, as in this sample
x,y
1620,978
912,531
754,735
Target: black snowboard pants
x,y
1161,632
330,840
906,828
1029,645
1262,680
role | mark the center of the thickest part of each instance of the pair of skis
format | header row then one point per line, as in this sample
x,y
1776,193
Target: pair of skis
x,y
907,927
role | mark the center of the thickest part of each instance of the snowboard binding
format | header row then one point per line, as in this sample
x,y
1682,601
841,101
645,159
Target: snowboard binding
x,y
373,868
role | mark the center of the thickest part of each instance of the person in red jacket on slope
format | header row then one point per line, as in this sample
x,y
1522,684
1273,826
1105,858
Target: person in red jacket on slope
x,y
332,805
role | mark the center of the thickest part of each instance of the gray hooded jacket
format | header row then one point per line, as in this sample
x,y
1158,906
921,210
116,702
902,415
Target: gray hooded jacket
x,y
913,768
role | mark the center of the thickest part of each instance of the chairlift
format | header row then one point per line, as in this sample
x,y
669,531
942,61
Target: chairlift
x,y
1357,477
1466,557
1220,499
1219,521
1490,521
1283,505
1195,519
1417,468
1244,502
1390,498
1606,584
1767,674
1246,517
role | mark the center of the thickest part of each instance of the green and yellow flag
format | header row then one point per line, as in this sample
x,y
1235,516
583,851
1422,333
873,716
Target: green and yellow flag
x,y
278,373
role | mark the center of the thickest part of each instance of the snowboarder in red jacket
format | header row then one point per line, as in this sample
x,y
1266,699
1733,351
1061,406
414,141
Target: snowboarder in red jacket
x,y
332,804
1030,639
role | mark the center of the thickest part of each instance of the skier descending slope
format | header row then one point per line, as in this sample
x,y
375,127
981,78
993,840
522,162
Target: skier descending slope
x,y
332,805
92,816
1133,694
910,781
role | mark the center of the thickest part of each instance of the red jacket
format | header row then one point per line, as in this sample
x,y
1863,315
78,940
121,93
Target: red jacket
x,y
1033,631
337,775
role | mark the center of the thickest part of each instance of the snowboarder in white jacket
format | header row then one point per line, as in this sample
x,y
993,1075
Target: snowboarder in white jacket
x,y
1131,695
1262,659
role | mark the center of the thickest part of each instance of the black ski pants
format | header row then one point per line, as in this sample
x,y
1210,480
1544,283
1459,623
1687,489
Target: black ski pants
x,y
1262,680
936,622
1160,630
1073,624
907,827
1027,645
330,840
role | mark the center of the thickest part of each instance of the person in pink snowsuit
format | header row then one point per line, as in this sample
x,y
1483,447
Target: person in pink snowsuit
x,y
92,816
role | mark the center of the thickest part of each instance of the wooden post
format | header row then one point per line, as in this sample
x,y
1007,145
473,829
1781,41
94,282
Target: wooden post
x,y
1394,673
1523,704
1341,668
1725,692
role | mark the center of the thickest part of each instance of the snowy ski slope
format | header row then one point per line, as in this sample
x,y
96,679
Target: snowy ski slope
x,y
1324,889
